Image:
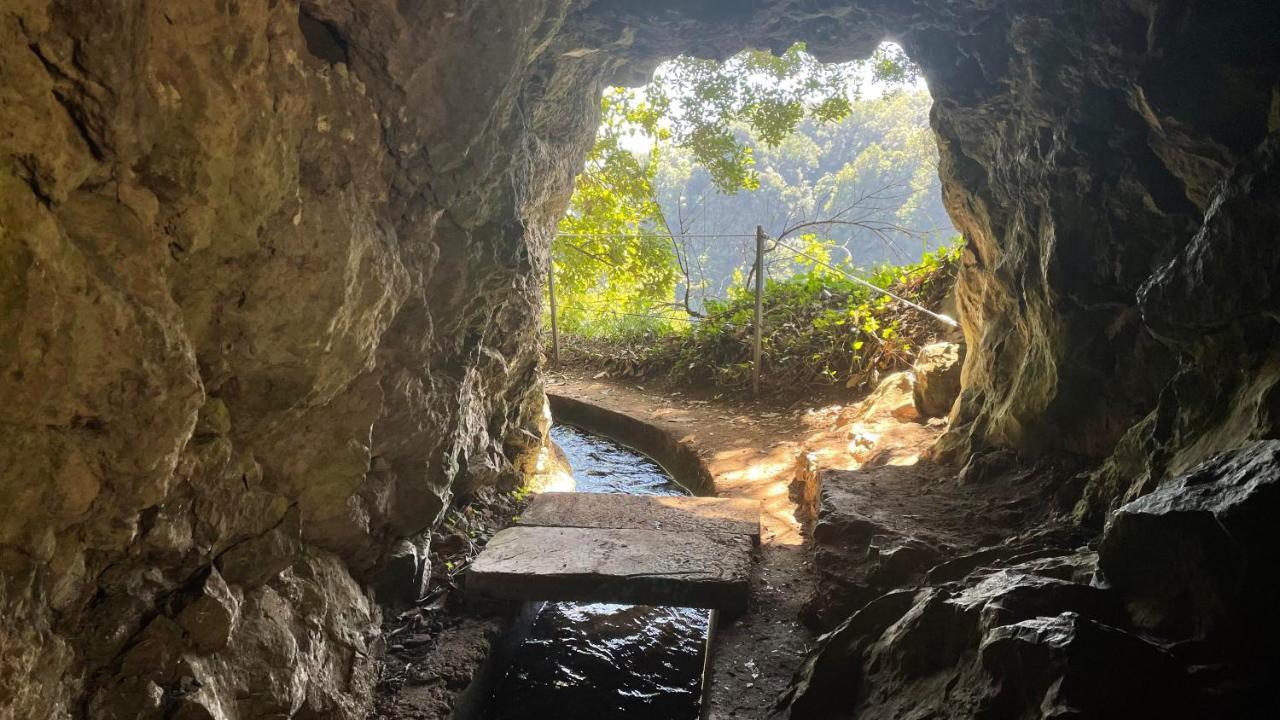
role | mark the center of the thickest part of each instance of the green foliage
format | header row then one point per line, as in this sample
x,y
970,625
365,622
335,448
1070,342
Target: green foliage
x,y
616,260
767,94
610,261
891,65
820,328
882,158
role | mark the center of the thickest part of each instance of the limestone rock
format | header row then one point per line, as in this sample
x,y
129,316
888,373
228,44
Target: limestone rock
x,y
261,303
859,554
552,471
937,378
1197,557
1069,665
404,575
259,559
210,619
1215,303
994,646
892,397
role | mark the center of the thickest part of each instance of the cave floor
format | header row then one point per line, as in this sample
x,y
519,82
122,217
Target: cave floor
x,y
755,451
778,454
611,548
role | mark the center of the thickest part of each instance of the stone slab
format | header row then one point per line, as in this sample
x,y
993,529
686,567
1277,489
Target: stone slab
x,y
730,516
643,567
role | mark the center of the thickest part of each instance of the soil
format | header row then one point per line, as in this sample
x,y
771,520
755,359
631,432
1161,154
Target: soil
x,y
769,451
435,649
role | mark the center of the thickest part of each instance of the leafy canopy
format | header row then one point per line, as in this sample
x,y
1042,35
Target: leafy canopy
x,y
607,255
615,257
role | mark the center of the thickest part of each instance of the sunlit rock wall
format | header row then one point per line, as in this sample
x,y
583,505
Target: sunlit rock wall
x,y
269,286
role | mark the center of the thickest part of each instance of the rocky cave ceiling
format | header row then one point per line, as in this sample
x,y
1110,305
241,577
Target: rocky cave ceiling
x,y
271,282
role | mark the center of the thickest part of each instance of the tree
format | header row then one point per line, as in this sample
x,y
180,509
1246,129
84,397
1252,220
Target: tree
x,y
623,249
606,254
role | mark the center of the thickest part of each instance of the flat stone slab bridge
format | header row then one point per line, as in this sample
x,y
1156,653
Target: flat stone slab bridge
x,y
637,549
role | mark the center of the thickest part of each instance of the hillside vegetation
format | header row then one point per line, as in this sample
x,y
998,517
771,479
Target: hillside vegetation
x,y
821,329
654,262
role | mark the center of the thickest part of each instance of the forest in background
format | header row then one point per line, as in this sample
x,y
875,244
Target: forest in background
x,y
881,158
653,264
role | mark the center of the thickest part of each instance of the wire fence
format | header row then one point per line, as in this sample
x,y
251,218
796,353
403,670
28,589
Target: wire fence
x,y
708,264
698,264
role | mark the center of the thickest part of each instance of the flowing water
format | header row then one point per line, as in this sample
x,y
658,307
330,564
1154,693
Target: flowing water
x,y
596,661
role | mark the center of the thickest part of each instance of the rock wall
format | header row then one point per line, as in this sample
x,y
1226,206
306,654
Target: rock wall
x,y
1085,150
269,298
271,282
1082,146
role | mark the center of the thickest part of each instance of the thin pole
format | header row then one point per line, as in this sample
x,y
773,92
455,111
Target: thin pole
x,y
555,328
755,350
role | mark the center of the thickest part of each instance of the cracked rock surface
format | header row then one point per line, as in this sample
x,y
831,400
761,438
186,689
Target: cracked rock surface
x,y
270,271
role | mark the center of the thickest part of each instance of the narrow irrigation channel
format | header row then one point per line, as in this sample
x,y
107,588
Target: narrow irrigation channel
x,y
601,661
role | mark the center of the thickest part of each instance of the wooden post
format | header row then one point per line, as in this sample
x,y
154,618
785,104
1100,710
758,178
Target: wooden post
x,y
759,320
555,328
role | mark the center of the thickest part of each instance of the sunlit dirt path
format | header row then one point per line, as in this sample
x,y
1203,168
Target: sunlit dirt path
x,y
756,451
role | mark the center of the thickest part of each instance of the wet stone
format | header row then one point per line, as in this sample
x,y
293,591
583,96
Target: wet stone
x,y
671,513
646,567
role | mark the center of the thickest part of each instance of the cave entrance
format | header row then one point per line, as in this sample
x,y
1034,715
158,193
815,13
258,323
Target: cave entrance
x,y
833,165
837,166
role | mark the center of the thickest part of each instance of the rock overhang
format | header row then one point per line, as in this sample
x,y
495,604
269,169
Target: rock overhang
x,y
1080,145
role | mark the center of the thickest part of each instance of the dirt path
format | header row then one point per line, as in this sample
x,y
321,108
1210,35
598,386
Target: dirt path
x,y
862,453
754,451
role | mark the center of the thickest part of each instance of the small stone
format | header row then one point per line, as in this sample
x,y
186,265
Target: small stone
x,y
937,378
404,576
210,619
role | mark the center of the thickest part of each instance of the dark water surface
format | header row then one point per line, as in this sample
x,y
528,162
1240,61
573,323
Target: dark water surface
x,y
595,661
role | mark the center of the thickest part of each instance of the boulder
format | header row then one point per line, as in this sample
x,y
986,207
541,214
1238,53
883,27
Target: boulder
x,y
552,471
1006,642
937,373
858,553
892,397
1197,558
404,576
1069,666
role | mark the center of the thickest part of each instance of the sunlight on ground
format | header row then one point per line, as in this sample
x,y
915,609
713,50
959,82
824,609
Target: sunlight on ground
x,y
760,461
763,475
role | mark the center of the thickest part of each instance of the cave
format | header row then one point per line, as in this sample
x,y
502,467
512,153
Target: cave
x,y
272,280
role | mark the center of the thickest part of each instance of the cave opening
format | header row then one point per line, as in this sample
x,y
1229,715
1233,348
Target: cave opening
x,y
846,192
365,199
836,164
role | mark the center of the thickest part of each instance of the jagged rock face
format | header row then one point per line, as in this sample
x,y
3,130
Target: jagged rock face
x,y
1173,616
269,297
1216,303
1019,642
1196,560
270,287
1082,145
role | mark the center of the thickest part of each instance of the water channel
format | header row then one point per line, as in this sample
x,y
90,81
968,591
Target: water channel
x,y
596,661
